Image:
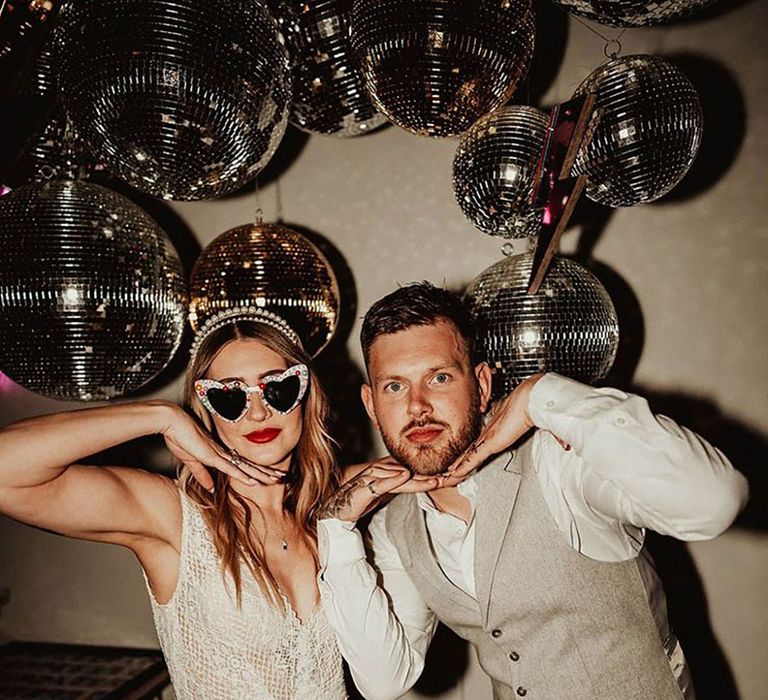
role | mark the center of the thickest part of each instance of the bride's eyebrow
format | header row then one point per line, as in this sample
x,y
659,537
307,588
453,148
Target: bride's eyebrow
x,y
270,372
261,376
230,379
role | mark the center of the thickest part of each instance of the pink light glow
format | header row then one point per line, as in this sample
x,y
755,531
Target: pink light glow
x,y
8,386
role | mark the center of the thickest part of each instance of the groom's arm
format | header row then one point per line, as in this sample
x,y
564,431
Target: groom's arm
x,y
621,460
636,467
383,630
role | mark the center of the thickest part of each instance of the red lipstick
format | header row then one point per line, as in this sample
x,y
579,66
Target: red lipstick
x,y
262,436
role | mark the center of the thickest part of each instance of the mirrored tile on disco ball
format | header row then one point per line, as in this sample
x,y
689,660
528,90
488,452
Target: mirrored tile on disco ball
x,y
494,171
434,68
633,13
182,99
24,25
570,326
648,132
51,149
329,95
270,267
92,294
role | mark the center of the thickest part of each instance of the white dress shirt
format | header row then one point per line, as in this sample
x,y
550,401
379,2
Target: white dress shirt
x,y
627,470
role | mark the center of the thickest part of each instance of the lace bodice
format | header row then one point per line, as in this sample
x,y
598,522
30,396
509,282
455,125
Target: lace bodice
x,y
216,651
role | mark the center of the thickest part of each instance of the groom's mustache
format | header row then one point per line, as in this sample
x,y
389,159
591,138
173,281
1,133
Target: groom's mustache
x,y
423,423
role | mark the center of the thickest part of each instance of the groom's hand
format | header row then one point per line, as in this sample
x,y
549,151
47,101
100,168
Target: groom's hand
x,y
367,484
508,421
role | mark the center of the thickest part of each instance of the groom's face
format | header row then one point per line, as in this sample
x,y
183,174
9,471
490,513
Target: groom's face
x,y
424,396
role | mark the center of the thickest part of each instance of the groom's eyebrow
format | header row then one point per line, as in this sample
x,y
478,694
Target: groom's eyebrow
x,y
431,370
387,377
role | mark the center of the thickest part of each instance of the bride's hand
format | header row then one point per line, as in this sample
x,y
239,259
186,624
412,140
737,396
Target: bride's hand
x,y
196,449
364,491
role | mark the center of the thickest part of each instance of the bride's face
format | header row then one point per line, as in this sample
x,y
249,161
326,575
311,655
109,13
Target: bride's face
x,y
262,435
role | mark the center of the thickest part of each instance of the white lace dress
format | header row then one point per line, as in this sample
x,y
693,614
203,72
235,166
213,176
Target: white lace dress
x,y
216,651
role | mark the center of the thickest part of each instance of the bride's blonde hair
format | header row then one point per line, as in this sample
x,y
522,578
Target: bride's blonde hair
x,y
311,479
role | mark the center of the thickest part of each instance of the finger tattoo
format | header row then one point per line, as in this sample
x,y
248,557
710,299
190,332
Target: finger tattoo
x,y
476,446
340,503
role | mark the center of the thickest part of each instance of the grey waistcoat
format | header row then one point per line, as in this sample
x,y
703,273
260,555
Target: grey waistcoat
x,y
549,623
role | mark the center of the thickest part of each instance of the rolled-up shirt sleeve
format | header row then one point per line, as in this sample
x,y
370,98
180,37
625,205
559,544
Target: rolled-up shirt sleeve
x,y
637,467
383,636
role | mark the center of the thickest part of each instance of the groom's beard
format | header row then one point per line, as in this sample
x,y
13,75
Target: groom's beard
x,y
435,457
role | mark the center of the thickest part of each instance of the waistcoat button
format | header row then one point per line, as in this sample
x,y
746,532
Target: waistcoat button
x,y
496,634
521,692
514,656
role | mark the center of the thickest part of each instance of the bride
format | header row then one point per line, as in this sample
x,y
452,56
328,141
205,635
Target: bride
x,y
229,554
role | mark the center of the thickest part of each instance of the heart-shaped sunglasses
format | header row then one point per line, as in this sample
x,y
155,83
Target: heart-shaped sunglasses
x,y
230,400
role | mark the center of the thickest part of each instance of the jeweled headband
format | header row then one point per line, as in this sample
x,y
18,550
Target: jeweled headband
x,y
242,313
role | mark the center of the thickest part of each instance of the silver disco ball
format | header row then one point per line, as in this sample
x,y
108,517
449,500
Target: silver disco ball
x,y
569,326
494,169
329,95
270,267
436,67
54,150
182,99
632,13
648,131
92,293
22,23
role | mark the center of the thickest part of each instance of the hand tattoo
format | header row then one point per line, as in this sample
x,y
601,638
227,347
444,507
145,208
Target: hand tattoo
x,y
476,446
472,450
339,504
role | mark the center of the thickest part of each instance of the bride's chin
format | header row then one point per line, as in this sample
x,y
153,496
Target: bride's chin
x,y
272,456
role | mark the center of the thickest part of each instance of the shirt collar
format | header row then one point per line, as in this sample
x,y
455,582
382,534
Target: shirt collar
x,y
467,488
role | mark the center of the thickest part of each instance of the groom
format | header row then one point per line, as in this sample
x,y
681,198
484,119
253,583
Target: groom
x,y
526,537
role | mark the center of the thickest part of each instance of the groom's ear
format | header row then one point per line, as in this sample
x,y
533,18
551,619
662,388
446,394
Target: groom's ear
x,y
484,381
366,393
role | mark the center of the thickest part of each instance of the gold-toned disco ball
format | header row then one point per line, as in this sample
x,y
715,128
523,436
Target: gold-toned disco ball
x,y
569,326
435,67
633,13
270,267
92,293
494,170
183,99
329,95
648,131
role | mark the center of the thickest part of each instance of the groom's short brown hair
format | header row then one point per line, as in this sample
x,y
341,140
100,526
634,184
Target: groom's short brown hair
x,y
417,304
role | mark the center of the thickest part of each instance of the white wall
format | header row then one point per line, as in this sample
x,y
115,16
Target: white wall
x,y
697,268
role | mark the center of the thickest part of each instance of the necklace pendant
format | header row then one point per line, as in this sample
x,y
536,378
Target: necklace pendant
x,y
285,545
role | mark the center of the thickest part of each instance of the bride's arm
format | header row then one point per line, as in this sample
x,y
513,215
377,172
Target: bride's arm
x,y
42,484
